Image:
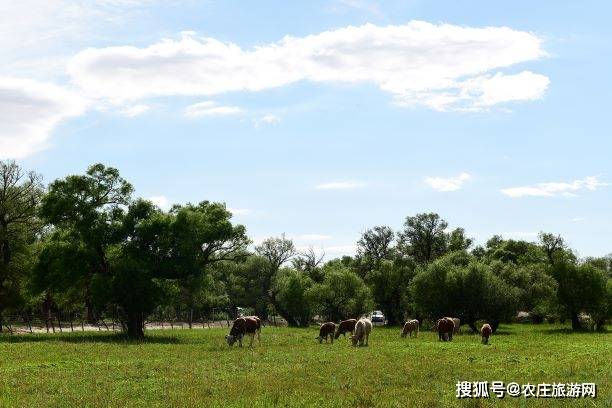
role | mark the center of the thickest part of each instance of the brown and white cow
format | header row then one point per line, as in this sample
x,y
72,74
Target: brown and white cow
x,y
326,330
411,326
457,323
446,328
485,332
345,326
363,328
250,325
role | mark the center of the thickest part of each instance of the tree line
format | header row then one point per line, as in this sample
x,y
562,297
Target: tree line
x,y
84,242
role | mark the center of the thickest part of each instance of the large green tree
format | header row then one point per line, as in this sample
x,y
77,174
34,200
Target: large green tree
x,y
200,236
424,237
389,282
375,246
341,295
291,287
582,288
20,194
86,212
117,252
471,291
276,251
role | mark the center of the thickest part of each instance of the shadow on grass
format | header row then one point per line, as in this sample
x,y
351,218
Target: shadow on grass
x,y
119,338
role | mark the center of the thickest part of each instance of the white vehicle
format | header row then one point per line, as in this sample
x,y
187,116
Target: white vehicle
x,y
377,317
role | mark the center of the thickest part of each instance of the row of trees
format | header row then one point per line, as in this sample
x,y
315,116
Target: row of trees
x,y
85,243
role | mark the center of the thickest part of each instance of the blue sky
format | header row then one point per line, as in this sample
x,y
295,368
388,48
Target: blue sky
x,y
496,117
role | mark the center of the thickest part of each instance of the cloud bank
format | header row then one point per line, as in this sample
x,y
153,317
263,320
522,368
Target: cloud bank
x,y
29,110
566,189
443,67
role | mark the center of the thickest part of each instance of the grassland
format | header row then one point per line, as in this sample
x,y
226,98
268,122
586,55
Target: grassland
x,y
196,368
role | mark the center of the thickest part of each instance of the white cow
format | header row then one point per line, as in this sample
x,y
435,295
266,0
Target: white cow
x,y
363,328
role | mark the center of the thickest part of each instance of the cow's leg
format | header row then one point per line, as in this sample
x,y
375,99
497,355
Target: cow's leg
x,y
259,335
240,341
252,339
450,336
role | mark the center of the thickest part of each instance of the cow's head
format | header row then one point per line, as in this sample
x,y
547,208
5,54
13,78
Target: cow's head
x,y
354,340
320,339
230,340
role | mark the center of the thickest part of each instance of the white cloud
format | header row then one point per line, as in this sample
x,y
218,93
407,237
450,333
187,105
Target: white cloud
x,y
314,237
578,219
210,108
340,185
444,67
567,189
29,111
239,211
160,201
36,36
447,184
135,110
268,119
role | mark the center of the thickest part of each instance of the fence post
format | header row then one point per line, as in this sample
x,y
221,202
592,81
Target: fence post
x,y
29,323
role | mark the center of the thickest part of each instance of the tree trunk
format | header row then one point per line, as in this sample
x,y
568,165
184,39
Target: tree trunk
x,y
291,322
135,326
472,324
391,320
575,321
600,325
91,319
494,325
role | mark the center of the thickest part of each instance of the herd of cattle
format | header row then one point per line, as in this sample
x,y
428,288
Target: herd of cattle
x,y
359,329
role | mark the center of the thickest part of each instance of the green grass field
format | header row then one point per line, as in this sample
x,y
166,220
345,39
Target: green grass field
x,y
289,368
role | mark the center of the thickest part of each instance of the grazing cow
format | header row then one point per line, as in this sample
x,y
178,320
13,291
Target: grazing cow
x,y
485,332
345,326
327,329
363,328
250,325
457,323
411,326
445,327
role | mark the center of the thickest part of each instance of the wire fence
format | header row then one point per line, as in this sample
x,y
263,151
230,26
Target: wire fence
x,y
60,322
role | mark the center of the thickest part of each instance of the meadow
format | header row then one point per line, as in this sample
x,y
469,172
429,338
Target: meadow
x,y
197,368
